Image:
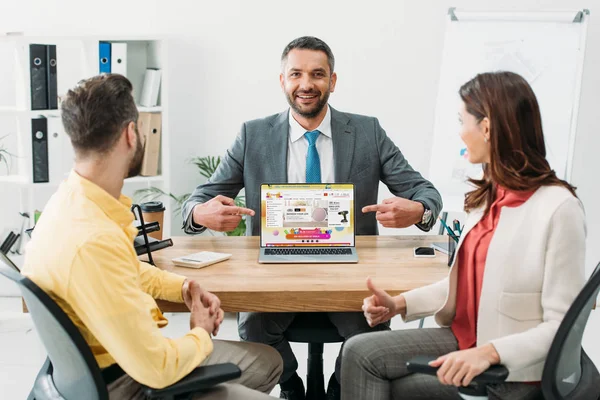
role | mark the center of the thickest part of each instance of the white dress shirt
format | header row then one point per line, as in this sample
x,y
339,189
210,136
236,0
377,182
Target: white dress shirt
x,y
298,149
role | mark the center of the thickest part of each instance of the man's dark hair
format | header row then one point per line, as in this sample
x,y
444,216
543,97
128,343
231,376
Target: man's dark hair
x,y
310,43
96,111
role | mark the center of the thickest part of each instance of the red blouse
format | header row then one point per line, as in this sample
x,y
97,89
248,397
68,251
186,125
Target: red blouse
x,y
471,264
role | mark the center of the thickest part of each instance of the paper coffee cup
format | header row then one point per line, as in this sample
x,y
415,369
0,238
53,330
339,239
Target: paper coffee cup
x,y
154,211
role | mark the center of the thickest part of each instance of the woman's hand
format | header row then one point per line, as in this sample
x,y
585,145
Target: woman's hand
x,y
460,367
379,307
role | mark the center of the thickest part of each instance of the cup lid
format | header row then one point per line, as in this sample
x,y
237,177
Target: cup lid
x,y
152,206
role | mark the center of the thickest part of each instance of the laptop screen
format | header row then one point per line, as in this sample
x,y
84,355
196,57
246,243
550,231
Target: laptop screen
x,y
307,215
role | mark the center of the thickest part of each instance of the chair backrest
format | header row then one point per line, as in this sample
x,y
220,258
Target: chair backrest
x,y
313,328
568,370
75,373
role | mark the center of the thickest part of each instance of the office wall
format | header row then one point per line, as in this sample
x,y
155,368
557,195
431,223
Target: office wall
x,y
224,60
224,66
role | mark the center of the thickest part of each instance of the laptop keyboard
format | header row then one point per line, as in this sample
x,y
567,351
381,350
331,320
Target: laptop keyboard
x,y
332,251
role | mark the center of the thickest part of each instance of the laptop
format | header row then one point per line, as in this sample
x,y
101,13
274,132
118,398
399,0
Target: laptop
x,y
307,223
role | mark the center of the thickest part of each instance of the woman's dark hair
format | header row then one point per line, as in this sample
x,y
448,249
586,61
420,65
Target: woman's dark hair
x,y
518,152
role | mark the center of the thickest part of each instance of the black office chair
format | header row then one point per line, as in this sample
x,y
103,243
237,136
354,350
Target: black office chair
x,y
568,371
314,329
71,372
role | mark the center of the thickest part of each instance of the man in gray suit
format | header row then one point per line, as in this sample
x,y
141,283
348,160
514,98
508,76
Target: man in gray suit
x,y
311,142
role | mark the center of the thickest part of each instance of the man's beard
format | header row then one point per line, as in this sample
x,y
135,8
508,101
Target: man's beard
x,y
135,166
311,113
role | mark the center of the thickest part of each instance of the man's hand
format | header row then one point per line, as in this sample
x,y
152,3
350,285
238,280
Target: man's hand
x,y
201,317
219,214
379,307
190,290
193,293
460,367
397,212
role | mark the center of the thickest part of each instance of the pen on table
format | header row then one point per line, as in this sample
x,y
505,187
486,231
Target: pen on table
x,y
450,232
457,227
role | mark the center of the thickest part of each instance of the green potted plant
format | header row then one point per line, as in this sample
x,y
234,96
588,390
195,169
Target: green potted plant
x,y
206,167
5,156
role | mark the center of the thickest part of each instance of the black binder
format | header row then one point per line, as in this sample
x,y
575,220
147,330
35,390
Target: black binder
x,y
39,76
52,90
39,149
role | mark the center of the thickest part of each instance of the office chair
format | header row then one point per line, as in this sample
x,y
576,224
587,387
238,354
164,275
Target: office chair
x,y
314,329
568,371
70,371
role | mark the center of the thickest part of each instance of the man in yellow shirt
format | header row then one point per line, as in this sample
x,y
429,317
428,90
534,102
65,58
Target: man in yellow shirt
x,y
82,255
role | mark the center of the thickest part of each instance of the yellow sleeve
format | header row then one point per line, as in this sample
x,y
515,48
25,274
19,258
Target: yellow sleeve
x,y
104,291
161,284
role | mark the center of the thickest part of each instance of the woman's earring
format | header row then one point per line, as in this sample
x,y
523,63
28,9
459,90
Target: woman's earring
x,y
485,139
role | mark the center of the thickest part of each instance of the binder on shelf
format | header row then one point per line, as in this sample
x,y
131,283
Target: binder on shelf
x,y
51,78
118,58
38,75
39,149
104,58
150,125
150,89
60,151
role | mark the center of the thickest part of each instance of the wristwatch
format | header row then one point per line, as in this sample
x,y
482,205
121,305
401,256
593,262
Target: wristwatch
x,y
427,214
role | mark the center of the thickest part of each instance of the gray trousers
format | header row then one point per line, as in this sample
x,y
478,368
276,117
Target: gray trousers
x,y
261,367
268,328
374,367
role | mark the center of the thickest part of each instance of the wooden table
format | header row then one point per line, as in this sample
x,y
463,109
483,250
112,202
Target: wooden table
x,y
243,284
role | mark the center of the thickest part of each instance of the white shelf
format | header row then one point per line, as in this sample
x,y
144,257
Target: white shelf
x,y
78,57
20,111
24,182
8,110
149,109
20,179
144,179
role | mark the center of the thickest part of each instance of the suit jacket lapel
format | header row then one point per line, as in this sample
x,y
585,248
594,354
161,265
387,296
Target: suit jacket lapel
x,y
277,142
343,136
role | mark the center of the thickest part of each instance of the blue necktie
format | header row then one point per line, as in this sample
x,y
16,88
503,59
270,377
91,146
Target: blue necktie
x,y
313,163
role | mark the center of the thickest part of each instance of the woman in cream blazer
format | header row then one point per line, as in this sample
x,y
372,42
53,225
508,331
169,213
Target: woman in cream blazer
x,y
533,270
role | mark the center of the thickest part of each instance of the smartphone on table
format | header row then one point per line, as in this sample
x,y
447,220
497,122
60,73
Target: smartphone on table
x,y
424,252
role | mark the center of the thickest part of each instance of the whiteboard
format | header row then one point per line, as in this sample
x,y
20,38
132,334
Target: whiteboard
x,y
546,48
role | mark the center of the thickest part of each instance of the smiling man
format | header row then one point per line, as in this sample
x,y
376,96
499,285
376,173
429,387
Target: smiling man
x,y
311,143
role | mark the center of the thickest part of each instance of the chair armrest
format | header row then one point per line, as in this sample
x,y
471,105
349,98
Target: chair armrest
x,y
200,379
494,374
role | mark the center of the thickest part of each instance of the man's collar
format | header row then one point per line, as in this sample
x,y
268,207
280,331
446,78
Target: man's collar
x,y
297,131
117,210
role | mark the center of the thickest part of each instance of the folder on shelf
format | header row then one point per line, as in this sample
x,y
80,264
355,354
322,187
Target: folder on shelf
x,y
51,77
38,76
60,151
150,125
118,57
39,149
150,89
104,58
